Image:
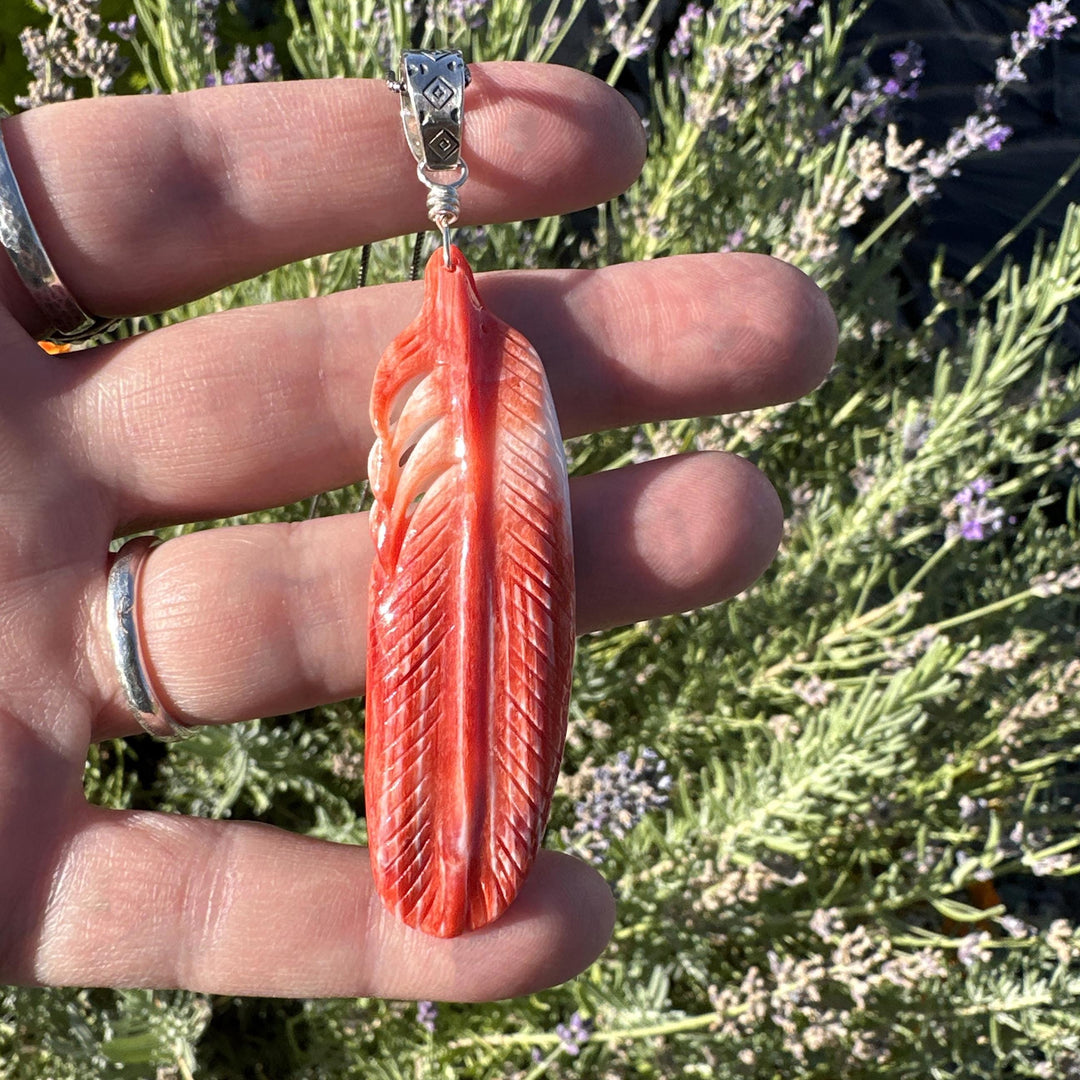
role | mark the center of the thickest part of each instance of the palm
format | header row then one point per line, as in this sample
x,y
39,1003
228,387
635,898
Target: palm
x,y
255,408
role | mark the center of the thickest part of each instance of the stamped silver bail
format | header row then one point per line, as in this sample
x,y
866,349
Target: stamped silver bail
x,y
432,89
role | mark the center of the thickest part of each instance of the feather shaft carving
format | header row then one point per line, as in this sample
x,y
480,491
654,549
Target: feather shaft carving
x,y
471,633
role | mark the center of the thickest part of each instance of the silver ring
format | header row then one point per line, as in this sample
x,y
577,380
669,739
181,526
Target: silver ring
x,y
35,269
125,631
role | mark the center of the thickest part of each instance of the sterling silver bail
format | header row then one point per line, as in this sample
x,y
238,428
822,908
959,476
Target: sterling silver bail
x,y
432,89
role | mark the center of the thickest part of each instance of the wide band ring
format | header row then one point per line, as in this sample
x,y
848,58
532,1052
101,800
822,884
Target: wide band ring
x,y
35,269
125,629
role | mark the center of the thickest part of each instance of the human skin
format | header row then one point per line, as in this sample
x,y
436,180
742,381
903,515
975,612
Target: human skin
x,y
147,202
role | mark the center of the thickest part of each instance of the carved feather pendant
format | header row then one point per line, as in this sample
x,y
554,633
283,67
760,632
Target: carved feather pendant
x,y
471,632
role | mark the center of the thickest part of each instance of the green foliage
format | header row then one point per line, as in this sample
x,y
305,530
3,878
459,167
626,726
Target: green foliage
x,y
863,867
13,17
82,1034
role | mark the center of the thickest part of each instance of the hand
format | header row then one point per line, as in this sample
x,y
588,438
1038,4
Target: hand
x,y
145,202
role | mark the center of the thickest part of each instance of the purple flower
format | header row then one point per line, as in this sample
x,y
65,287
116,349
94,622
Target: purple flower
x,y
427,1013
239,68
989,99
1007,71
574,1035
243,69
125,30
265,66
975,516
615,798
473,13
71,48
800,8
827,132
683,38
549,32
206,22
995,137
980,132
620,29
876,96
734,240
1048,22
793,75
908,67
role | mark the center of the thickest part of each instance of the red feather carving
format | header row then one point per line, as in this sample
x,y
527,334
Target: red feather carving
x,y
471,632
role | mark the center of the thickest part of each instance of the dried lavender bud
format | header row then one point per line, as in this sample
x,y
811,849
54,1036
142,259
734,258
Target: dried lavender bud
x,y
125,30
573,1035
264,68
974,516
615,798
206,22
427,1012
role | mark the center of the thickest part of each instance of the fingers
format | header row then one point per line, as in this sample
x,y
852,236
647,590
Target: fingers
x,y
671,535
241,908
266,619
145,202
263,406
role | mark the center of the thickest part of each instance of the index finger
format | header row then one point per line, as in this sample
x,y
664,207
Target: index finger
x,y
146,202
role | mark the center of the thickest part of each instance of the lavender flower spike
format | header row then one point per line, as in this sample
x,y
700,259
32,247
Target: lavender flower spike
x,y
206,22
983,130
614,798
70,49
683,38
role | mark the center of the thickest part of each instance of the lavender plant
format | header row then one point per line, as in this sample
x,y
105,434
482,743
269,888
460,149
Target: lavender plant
x,y
70,53
838,812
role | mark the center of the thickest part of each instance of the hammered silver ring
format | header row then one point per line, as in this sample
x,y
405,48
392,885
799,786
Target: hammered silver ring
x,y
125,630
19,238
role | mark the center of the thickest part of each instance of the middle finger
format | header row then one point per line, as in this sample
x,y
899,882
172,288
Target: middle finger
x,y
263,406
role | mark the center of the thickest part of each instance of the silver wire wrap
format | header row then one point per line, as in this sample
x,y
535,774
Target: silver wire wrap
x,y
443,202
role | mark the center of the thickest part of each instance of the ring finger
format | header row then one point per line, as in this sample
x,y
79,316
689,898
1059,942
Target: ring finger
x,y
265,619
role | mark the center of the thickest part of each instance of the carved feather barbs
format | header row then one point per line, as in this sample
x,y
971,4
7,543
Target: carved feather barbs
x,y
471,633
